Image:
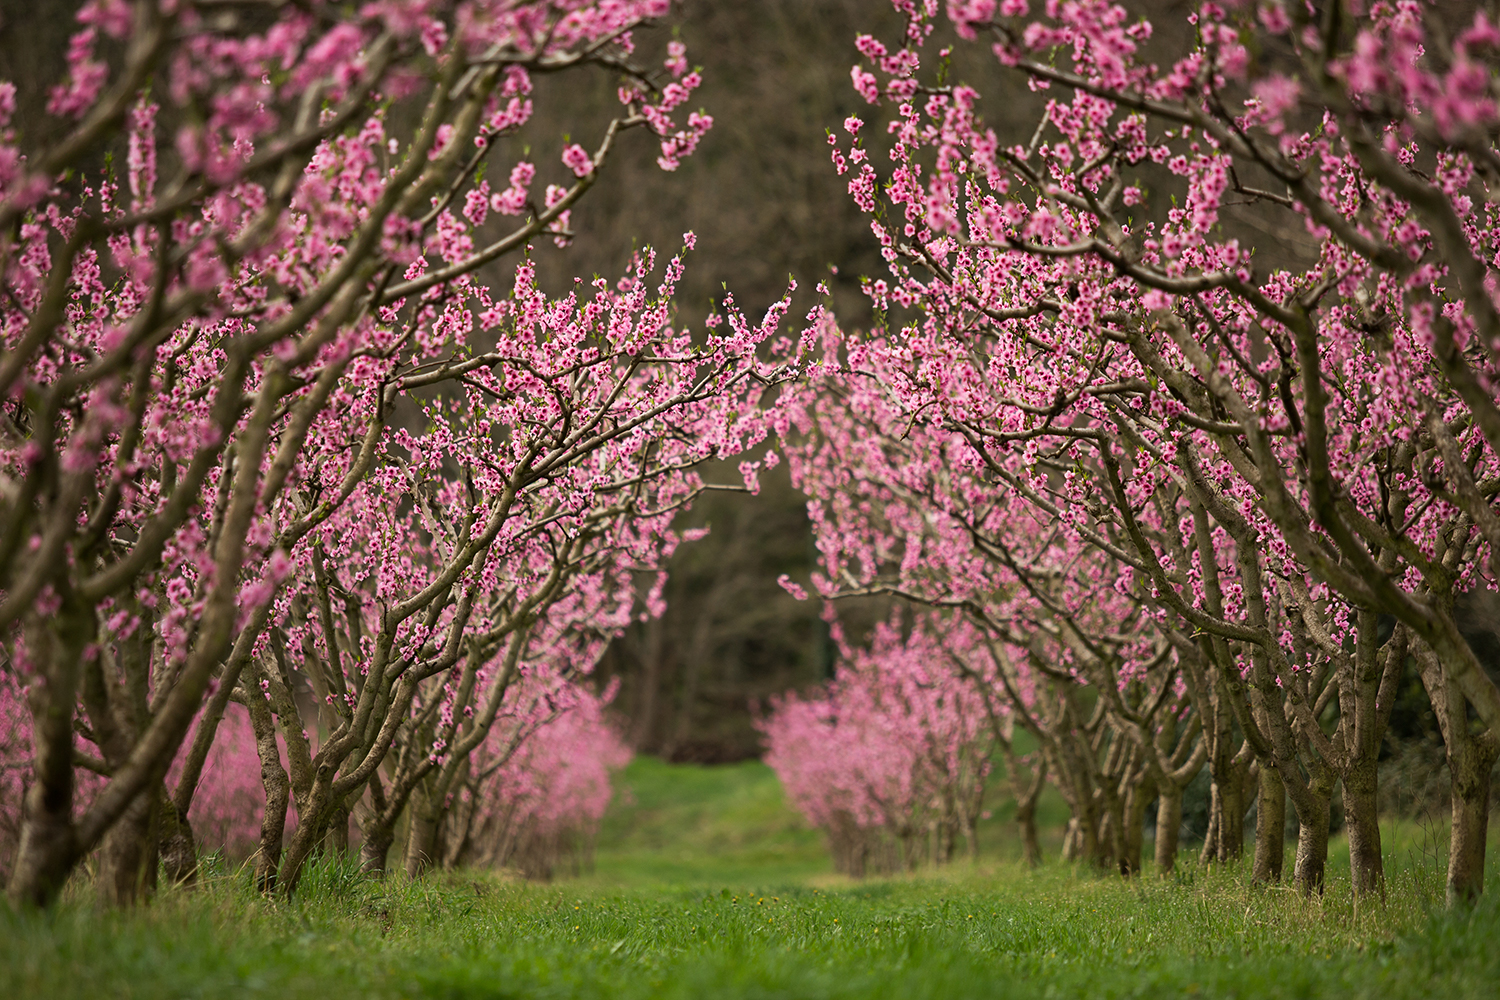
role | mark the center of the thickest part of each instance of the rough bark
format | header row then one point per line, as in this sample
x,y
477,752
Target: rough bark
x,y
375,851
49,848
338,832
179,849
1083,842
1168,828
1470,759
1367,686
377,828
1270,828
1178,758
1471,820
305,840
1137,798
422,837
277,787
1312,843
1026,815
1071,839
1228,767
128,855
1226,837
1361,817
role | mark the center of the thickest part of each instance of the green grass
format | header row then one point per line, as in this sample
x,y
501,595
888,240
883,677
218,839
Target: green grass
x,y
707,887
686,823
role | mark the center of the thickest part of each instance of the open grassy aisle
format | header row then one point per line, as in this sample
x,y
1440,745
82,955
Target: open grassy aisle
x,y
706,886
683,823
1007,933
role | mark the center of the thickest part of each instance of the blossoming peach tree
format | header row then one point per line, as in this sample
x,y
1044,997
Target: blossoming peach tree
x,y
263,423
536,791
909,777
905,508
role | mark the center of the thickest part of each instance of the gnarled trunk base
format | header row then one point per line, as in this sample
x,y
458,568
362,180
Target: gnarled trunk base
x,y
179,850
1168,831
375,851
1366,866
1312,849
127,857
1270,828
421,845
44,859
1471,820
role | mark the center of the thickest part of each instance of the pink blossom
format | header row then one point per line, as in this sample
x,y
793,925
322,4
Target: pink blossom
x,y
577,159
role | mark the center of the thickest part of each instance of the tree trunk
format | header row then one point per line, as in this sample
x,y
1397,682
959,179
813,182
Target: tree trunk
x,y
1365,694
49,845
911,857
1089,822
422,840
377,828
1168,828
179,848
304,841
272,832
1071,840
1081,842
849,845
1211,835
1226,823
1026,800
1471,820
1312,846
44,859
277,785
179,851
1470,759
128,854
1232,825
1111,850
375,851
1029,842
1134,833
458,827
338,832
1224,839
1366,867
1270,828
944,841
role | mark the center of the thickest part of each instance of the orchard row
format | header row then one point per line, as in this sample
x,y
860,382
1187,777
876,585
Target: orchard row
x,y
1163,508
283,448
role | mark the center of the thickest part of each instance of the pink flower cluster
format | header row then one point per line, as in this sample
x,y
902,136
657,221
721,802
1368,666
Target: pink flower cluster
x,y
544,779
913,749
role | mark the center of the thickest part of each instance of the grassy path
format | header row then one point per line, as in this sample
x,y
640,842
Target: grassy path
x,y
706,887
